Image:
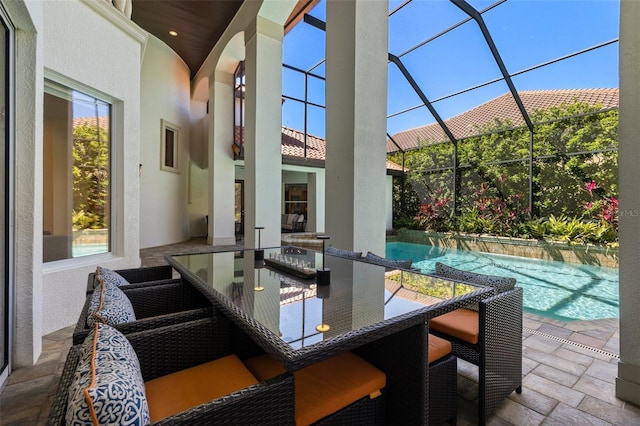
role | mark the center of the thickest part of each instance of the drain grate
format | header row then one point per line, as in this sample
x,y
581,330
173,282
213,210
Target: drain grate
x,y
569,342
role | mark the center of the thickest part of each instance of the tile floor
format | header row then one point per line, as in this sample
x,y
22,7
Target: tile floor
x,y
569,372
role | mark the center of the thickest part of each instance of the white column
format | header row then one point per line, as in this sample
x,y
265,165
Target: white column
x,y
628,380
319,203
356,97
312,204
263,132
221,165
28,315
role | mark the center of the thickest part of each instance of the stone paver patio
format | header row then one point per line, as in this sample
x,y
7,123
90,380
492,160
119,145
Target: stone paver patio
x,y
569,372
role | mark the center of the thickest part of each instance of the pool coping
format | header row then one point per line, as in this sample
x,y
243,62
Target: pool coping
x,y
586,254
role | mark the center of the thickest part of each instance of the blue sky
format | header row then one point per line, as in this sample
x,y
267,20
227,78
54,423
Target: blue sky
x,y
527,33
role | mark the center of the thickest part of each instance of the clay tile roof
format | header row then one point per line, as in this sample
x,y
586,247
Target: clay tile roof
x,y
293,144
504,108
394,166
91,121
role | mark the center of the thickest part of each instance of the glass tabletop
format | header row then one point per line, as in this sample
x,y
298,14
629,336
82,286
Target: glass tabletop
x,y
281,293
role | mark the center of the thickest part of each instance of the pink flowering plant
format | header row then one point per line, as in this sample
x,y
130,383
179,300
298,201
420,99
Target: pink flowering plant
x,y
434,212
490,213
603,209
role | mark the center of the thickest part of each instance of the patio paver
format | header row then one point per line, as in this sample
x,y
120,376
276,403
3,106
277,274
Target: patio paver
x,y
569,373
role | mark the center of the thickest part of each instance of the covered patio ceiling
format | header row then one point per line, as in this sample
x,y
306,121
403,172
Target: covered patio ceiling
x,y
198,24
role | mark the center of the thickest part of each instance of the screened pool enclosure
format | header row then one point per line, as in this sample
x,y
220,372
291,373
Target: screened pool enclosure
x,y
502,114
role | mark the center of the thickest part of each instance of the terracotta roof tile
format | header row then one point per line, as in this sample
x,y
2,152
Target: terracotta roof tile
x,y
293,146
91,121
504,108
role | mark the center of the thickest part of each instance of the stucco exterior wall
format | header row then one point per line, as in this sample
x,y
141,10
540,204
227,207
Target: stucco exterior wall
x,y
198,200
27,273
164,94
82,47
198,162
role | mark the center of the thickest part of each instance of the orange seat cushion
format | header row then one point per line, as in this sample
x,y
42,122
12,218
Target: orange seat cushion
x,y
328,386
264,367
438,348
461,323
182,390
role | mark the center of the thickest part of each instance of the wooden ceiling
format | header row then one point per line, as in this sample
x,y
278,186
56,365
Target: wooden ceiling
x,y
199,24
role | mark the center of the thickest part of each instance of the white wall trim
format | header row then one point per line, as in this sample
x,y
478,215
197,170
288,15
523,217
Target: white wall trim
x,y
117,18
71,83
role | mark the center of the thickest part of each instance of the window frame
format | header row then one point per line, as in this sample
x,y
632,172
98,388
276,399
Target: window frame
x,y
57,84
290,202
165,127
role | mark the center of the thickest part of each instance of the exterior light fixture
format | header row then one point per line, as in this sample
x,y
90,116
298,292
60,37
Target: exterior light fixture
x,y
259,253
323,276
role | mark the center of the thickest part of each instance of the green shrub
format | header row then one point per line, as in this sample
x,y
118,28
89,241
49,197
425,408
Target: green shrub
x,y
570,196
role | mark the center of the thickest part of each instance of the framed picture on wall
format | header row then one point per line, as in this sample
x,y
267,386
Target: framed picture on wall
x,y
169,147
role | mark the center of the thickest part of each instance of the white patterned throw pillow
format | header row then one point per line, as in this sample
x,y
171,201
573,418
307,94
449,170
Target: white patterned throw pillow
x,y
95,299
114,306
110,276
107,388
112,345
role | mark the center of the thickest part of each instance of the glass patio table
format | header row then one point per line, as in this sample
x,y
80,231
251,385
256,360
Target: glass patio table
x,y
380,315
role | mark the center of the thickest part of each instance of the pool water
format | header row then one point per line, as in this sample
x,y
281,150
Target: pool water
x,y
78,250
553,289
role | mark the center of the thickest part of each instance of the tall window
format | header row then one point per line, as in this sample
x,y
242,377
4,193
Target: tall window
x,y
76,170
238,111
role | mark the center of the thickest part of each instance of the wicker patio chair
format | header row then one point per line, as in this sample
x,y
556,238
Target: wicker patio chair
x,y
489,337
174,353
139,277
154,306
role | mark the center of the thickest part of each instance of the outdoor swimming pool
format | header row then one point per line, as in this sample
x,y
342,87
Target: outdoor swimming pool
x,y
553,289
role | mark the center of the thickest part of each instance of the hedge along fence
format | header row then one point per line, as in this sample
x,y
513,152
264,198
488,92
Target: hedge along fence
x,y
586,254
505,178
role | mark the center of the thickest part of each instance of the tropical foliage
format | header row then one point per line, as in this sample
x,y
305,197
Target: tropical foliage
x,y
90,177
568,165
